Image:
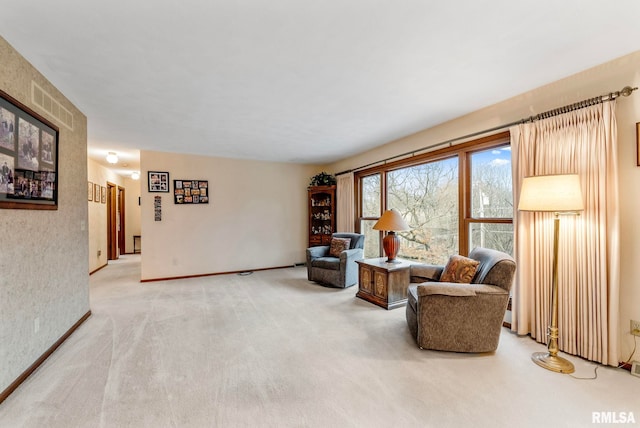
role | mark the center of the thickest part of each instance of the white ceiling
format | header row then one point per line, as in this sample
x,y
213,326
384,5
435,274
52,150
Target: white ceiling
x,y
301,80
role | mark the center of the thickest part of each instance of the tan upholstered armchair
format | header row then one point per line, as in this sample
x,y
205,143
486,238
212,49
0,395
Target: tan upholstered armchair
x,y
460,317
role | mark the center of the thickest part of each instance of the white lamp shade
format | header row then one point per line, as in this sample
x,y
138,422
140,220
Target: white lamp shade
x,y
555,193
391,220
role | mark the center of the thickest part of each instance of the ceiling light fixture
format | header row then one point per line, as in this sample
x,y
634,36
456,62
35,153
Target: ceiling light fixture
x,y
135,175
112,157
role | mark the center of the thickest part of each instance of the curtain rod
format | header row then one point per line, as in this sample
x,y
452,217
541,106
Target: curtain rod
x,y
625,92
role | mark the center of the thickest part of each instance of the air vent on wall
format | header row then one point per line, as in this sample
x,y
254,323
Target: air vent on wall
x,y
42,99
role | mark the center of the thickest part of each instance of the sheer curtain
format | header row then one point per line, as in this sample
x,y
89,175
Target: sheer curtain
x,y
582,142
345,199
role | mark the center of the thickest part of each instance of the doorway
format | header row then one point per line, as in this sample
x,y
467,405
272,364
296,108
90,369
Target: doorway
x,y
115,221
120,221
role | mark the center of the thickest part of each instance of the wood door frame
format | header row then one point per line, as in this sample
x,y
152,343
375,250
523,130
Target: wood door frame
x,y
121,206
112,236
116,243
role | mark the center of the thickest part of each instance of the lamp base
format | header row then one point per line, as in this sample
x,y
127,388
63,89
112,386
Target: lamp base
x,y
391,246
552,362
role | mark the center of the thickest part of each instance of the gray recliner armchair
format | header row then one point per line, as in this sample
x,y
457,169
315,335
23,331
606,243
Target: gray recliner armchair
x,y
336,271
460,317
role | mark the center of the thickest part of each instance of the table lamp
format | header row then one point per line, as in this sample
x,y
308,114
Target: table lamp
x,y
391,222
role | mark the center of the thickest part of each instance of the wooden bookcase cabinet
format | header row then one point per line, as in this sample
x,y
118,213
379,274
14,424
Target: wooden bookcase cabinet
x,y
322,214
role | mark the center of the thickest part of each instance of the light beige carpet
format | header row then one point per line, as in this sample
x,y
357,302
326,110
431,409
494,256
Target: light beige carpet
x,y
274,350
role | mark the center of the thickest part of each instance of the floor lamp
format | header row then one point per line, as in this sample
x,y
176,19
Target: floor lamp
x,y
557,194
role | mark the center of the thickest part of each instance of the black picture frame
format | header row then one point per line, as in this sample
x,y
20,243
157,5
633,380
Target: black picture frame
x,y
190,192
28,157
158,181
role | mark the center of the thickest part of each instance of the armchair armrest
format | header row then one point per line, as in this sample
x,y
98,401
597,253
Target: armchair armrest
x,y
351,255
444,289
423,272
458,289
315,252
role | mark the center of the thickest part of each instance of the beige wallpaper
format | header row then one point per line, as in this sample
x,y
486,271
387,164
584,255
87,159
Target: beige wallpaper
x,y
256,217
602,79
44,274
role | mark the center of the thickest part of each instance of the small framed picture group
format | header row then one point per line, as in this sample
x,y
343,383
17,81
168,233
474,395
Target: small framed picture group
x,y
190,192
96,193
28,158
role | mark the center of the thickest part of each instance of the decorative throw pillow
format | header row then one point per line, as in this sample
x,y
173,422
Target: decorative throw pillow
x,y
338,245
459,269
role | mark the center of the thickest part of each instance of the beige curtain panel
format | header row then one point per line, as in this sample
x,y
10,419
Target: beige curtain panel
x,y
345,200
582,142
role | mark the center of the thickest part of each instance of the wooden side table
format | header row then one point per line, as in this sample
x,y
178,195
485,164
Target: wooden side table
x,y
384,284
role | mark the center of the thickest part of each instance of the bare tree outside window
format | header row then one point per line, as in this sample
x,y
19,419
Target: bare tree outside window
x,y
491,198
371,196
428,194
371,211
427,197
